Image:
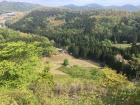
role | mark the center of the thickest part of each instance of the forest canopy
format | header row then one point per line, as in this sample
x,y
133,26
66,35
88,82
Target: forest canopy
x,y
110,37
92,34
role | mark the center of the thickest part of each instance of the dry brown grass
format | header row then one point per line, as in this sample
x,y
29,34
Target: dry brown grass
x,y
56,22
17,17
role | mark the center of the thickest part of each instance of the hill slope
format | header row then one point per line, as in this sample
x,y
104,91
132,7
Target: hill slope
x,y
126,7
6,6
88,34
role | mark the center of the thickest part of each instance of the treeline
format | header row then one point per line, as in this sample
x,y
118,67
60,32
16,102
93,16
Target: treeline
x,y
89,34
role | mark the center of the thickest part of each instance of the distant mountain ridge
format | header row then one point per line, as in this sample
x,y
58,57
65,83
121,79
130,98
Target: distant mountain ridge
x,y
6,6
127,7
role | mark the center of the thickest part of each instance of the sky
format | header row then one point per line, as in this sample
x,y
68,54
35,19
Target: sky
x,y
80,2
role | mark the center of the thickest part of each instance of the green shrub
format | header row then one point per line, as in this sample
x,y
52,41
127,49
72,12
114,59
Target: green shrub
x,y
66,62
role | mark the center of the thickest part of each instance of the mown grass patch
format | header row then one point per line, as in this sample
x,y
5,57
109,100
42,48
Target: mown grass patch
x,y
122,46
83,72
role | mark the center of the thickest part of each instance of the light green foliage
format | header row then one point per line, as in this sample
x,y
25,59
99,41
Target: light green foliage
x,y
89,100
17,51
8,74
42,87
112,79
17,97
122,46
45,48
20,67
17,63
110,88
106,43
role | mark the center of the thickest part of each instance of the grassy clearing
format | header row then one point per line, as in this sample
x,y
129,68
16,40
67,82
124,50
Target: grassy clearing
x,y
86,73
56,22
82,85
122,46
56,62
59,59
88,86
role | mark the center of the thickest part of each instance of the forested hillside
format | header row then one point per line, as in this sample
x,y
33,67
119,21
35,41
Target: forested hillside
x,y
92,34
32,73
6,6
25,80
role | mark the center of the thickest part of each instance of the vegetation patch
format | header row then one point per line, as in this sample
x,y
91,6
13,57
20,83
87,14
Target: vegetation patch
x,y
81,72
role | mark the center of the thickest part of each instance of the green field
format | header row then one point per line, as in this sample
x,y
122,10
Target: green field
x,y
122,46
